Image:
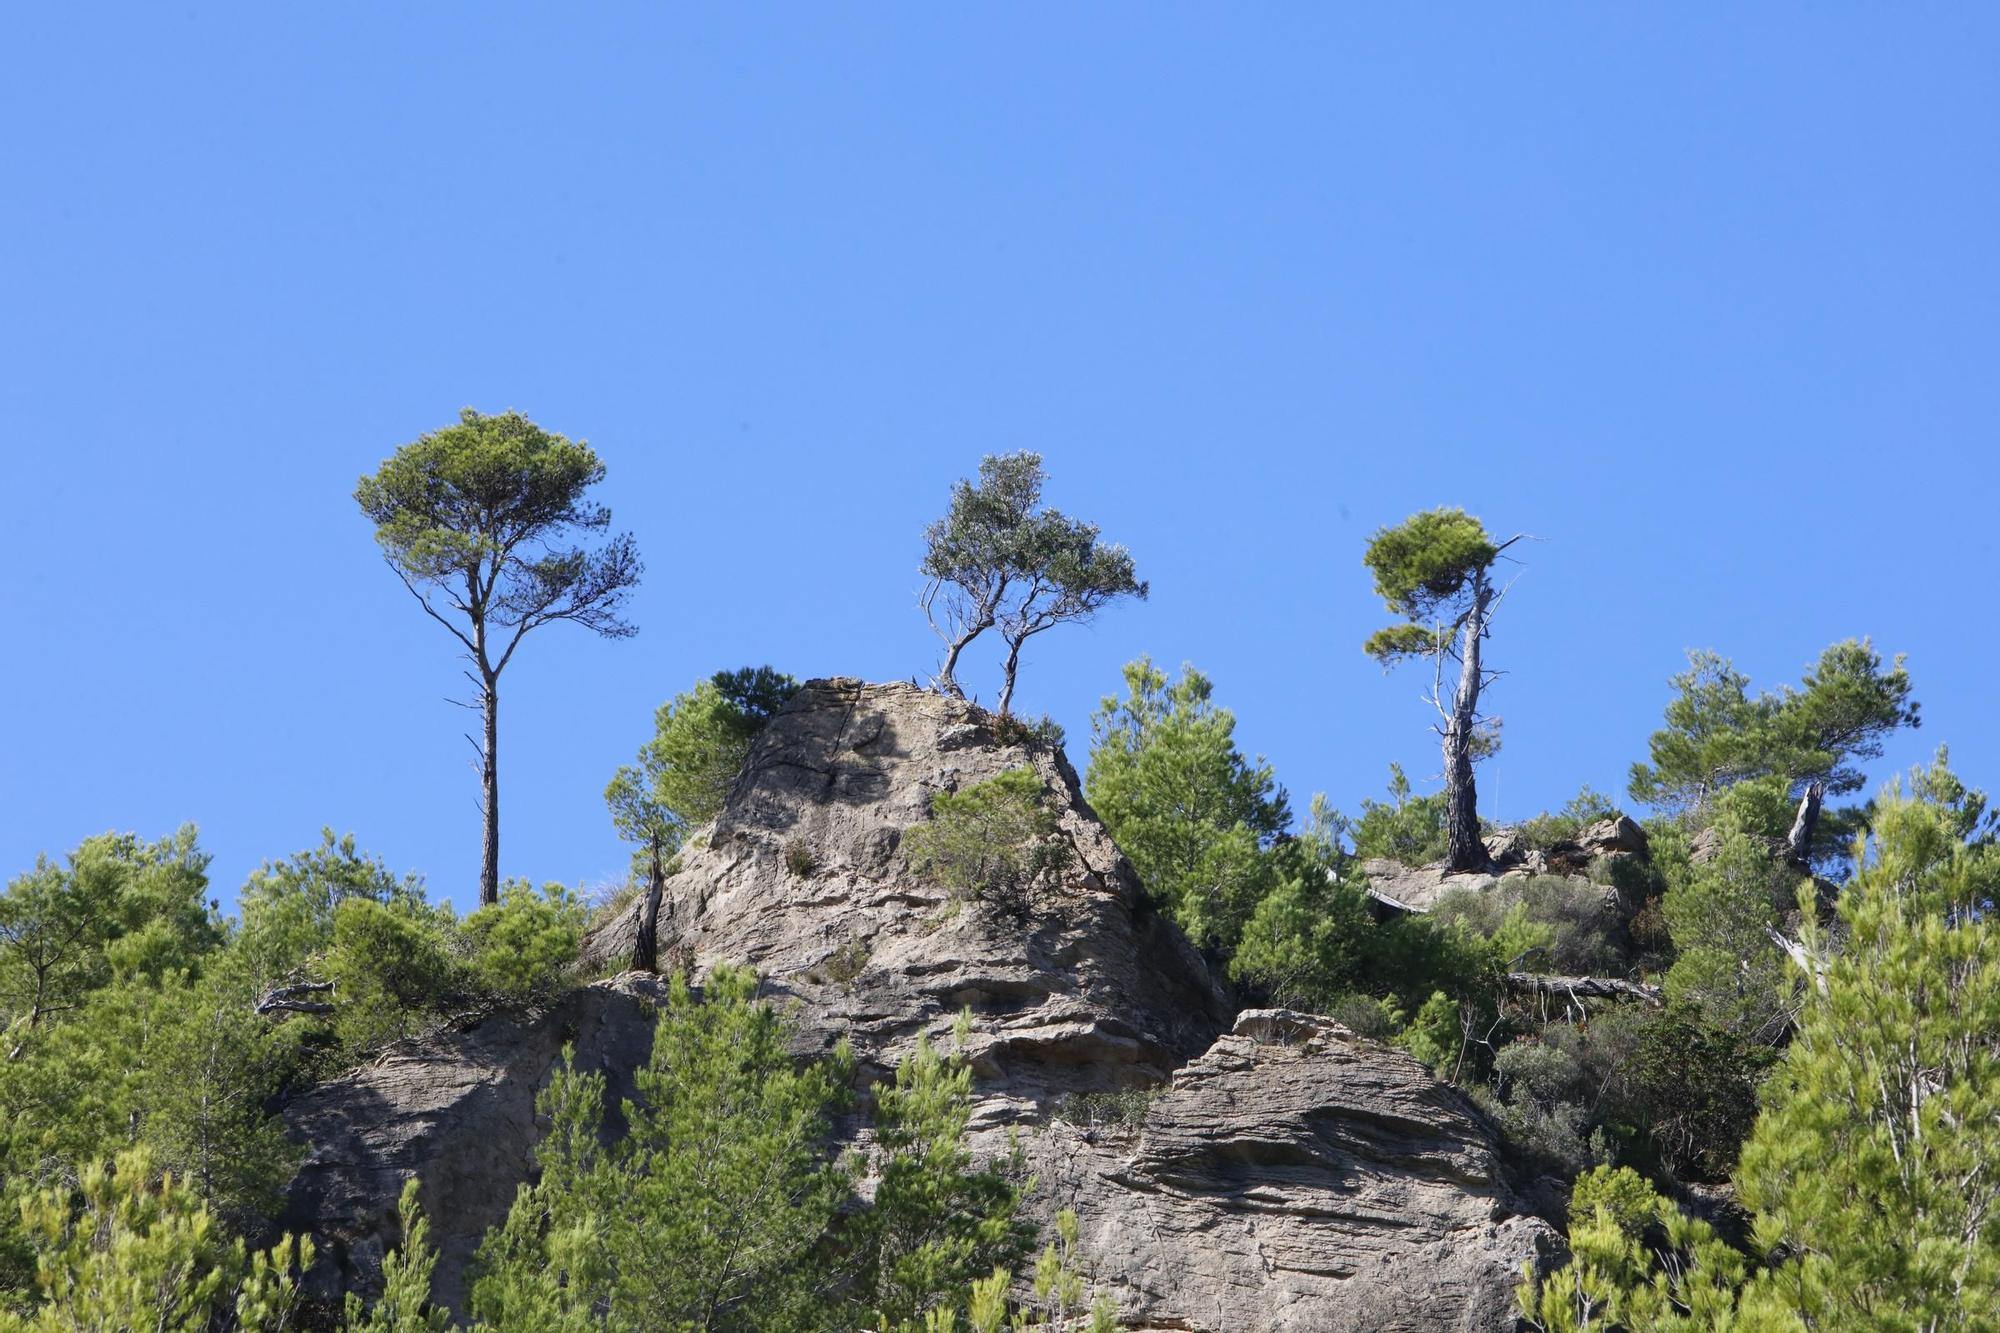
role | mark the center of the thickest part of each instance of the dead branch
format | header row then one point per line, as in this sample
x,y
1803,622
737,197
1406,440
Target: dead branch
x,y
1579,989
286,999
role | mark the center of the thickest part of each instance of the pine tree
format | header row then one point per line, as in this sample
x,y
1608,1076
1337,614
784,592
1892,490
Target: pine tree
x,y
1870,1174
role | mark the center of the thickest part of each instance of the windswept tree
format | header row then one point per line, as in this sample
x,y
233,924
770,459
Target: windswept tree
x,y
479,522
1723,746
998,559
1435,570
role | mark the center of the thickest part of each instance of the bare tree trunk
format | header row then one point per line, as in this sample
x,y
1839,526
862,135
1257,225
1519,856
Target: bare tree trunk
x,y
1463,848
1798,843
646,949
947,678
489,751
1007,680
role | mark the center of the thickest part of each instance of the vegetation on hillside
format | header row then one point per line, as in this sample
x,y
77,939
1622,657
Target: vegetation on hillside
x,y
1793,997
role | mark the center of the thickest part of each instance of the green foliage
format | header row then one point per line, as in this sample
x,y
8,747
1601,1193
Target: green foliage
x,y
993,842
1190,812
1411,830
130,1249
521,948
998,558
1428,560
1690,1088
1867,1175
1307,942
1124,1109
213,1067
480,509
1539,1095
1557,923
118,909
1719,735
1436,1036
392,969
700,740
1546,831
1719,913
705,1213
799,859
286,908
404,1305
939,1218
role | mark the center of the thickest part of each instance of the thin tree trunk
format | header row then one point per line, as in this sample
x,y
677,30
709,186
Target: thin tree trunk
x,y
646,949
489,855
949,673
1007,681
1464,850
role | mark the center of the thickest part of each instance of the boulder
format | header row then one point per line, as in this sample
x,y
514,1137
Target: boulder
x,y
1619,833
1298,1177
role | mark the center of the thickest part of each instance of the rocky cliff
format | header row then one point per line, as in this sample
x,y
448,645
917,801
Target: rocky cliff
x,y
1277,1172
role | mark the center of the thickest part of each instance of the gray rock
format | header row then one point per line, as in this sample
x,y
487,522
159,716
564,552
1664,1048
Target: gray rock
x,y
456,1111
1619,833
1288,1174
1418,888
1297,1177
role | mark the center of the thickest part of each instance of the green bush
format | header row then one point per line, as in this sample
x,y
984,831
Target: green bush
x,y
1561,924
392,970
1410,829
520,949
992,842
1546,830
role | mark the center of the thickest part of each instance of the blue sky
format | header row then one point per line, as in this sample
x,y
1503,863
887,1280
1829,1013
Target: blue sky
x,y
1703,297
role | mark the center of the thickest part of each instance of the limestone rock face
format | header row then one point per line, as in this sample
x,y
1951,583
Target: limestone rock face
x,y
1285,1174
1092,989
1298,1177
457,1112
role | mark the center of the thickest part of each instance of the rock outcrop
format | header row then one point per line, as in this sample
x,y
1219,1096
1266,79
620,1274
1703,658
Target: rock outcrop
x,y
1405,888
457,1111
1285,1174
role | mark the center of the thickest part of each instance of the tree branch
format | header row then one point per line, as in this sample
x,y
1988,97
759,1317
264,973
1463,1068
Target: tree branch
x,y
286,999
1585,988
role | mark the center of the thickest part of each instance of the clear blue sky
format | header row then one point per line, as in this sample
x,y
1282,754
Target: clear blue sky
x,y
1704,297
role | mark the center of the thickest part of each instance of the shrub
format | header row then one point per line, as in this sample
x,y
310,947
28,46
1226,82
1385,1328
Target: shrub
x,y
1410,830
1044,731
1124,1109
391,970
992,842
1547,830
1539,1095
846,963
799,859
1572,925
521,947
1367,1016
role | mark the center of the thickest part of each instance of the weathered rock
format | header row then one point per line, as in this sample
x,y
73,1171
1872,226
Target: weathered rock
x,y
1289,1176
1619,833
457,1111
1298,1177
1418,888
1092,989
